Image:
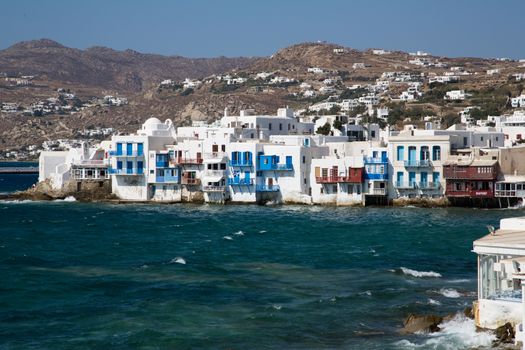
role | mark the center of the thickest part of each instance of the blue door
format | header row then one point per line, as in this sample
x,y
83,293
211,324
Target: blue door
x,y
411,153
411,178
140,149
435,178
289,161
119,164
129,149
119,149
399,179
424,178
129,167
384,156
140,166
246,177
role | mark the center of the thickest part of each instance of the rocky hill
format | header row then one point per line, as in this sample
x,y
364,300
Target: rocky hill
x,y
101,67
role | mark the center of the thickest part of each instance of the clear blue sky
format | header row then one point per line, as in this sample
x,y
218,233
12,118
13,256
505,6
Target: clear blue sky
x,y
207,28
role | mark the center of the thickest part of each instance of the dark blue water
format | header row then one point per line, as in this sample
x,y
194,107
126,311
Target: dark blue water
x,y
17,182
99,276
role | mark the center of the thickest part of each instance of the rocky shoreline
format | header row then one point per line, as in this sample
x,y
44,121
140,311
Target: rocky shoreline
x,y
413,324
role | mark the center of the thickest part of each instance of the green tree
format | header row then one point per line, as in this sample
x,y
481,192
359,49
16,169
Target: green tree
x,y
338,124
325,129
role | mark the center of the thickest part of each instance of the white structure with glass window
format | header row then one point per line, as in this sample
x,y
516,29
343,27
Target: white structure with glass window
x,y
501,263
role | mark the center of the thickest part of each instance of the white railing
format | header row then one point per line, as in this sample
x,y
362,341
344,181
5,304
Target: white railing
x,y
214,173
378,191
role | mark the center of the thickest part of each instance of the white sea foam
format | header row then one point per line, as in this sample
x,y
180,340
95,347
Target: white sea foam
x,y
262,231
415,273
459,280
277,307
239,233
18,201
67,199
449,293
433,302
227,238
366,292
178,260
458,333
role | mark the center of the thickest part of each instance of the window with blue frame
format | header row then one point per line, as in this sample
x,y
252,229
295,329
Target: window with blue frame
x,y
400,153
129,167
119,164
289,160
436,153
162,160
235,156
140,149
119,149
435,177
140,167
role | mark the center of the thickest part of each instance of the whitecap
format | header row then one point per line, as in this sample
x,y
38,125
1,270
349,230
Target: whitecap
x,y
433,302
415,273
449,293
178,260
459,280
277,307
262,231
366,292
239,233
227,238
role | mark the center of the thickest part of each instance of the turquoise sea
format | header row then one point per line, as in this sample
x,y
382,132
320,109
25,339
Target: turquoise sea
x,y
103,276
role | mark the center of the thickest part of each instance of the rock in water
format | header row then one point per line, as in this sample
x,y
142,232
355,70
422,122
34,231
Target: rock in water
x,y
469,313
504,334
416,323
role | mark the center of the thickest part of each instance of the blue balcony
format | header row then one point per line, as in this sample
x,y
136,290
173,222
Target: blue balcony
x,y
376,176
405,185
163,164
167,179
126,171
241,163
267,188
123,153
371,160
235,181
418,163
428,185
281,167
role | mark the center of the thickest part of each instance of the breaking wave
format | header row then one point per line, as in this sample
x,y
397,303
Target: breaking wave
x,y
415,273
449,293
